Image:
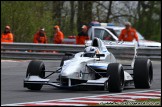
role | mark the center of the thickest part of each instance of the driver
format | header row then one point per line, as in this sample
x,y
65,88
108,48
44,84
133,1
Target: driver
x,y
91,51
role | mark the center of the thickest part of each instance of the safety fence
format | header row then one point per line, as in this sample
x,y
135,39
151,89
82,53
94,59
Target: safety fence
x,y
31,51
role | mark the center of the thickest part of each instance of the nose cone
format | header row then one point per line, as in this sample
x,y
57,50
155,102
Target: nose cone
x,y
70,68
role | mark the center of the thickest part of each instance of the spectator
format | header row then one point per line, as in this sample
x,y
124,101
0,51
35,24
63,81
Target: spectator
x,y
82,36
7,36
40,36
128,34
58,36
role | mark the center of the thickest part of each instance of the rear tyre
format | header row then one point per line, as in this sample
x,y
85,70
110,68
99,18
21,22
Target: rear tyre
x,y
143,73
115,82
36,68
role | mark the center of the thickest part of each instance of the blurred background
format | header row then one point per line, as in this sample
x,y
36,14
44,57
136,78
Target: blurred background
x,y
26,17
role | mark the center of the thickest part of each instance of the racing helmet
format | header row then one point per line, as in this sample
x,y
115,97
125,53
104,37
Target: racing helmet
x,y
90,51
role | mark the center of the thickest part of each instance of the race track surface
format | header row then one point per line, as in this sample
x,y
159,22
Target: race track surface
x,y
12,90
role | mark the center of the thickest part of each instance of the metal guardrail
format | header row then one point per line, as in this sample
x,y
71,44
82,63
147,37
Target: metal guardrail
x,y
45,51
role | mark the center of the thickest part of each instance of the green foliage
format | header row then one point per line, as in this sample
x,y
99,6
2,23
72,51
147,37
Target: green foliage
x,y
149,22
26,17
66,29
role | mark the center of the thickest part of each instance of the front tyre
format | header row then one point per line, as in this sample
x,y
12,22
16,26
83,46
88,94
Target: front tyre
x,y
35,68
143,73
116,77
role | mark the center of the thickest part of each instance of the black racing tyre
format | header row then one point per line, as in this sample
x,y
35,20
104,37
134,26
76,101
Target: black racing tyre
x,y
36,68
116,77
65,58
143,73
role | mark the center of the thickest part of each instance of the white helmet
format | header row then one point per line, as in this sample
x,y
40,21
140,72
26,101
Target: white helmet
x,y
90,51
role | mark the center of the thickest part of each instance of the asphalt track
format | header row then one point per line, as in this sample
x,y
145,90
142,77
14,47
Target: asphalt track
x,y
12,90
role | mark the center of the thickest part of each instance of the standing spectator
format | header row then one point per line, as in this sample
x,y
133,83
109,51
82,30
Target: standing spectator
x,y
128,34
40,36
58,36
7,36
82,36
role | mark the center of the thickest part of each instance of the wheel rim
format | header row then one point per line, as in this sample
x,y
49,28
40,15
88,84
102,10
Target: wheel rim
x,y
122,78
42,72
149,79
150,74
106,85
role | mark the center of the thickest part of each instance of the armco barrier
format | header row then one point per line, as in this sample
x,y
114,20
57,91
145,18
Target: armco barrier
x,y
42,47
45,51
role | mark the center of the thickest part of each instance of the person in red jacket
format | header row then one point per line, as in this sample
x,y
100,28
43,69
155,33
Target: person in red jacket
x,y
82,36
128,34
40,36
58,36
7,36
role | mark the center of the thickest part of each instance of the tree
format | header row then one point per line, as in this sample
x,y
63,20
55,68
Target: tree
x,y
26,17
57,10
80,15
84,15
72,16
87,12
149,19
109,11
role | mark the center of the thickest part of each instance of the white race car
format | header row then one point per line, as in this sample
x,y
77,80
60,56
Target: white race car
x,y
95,66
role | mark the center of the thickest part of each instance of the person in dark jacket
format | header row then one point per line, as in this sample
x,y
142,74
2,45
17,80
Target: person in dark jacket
x,y
82,36
40,36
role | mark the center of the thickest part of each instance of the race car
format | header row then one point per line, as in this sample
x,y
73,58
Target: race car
x,y
95,66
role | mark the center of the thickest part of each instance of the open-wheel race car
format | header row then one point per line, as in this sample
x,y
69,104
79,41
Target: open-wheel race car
x,y
94,66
